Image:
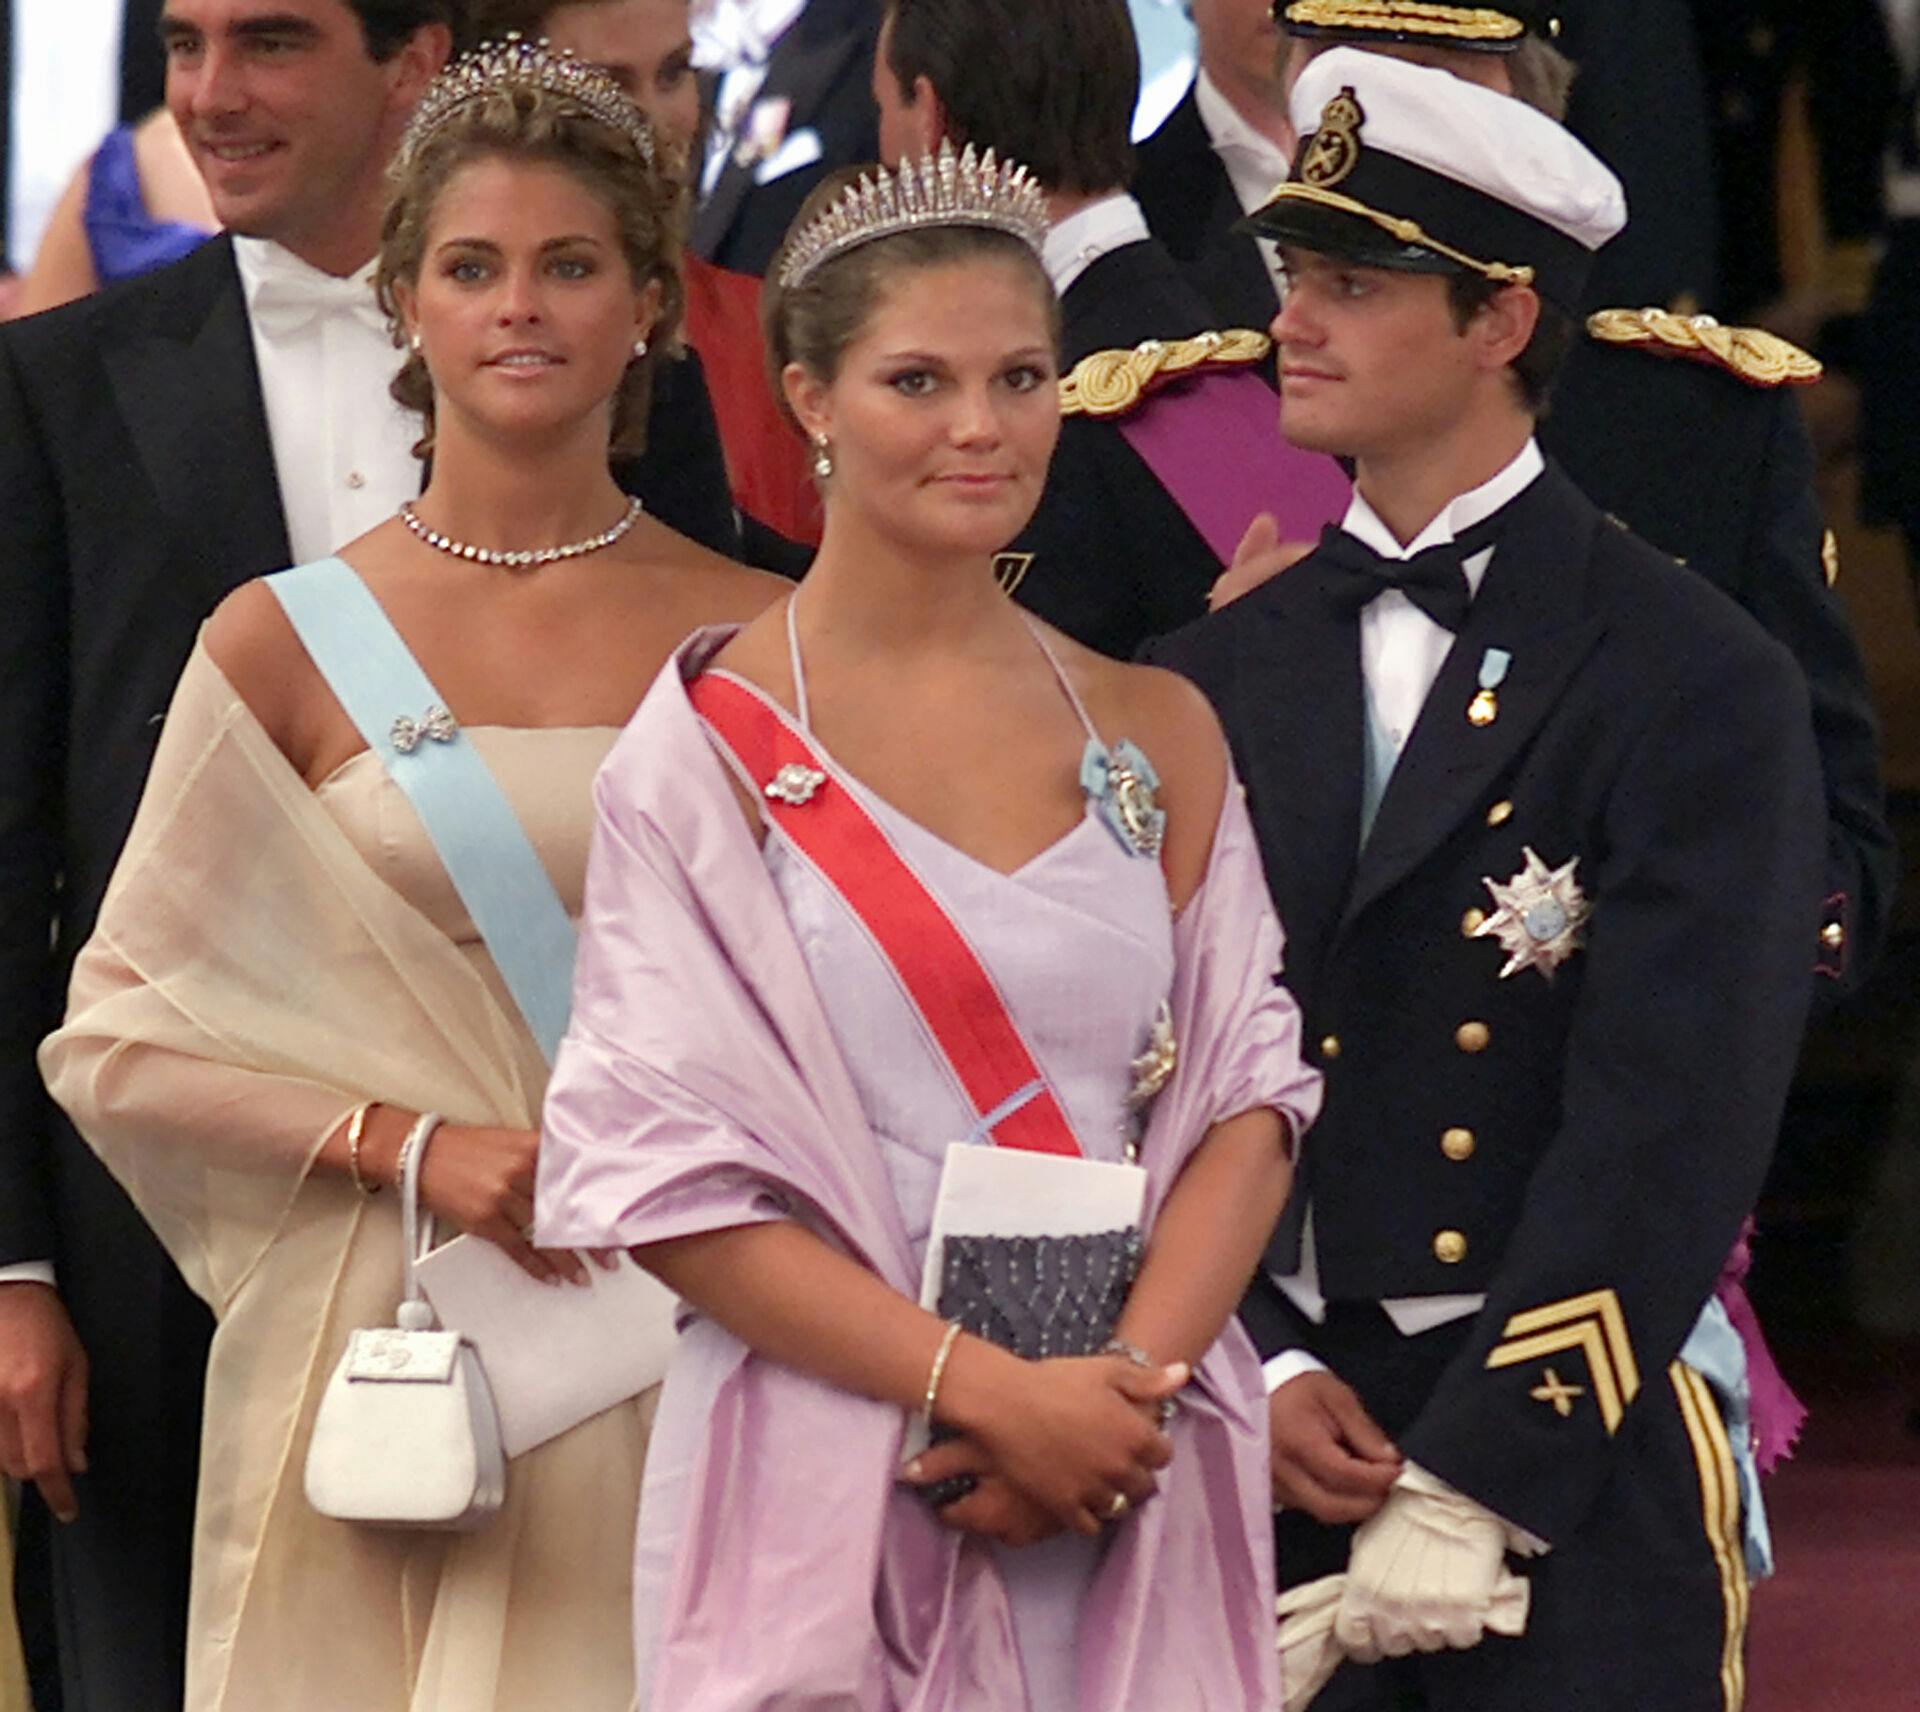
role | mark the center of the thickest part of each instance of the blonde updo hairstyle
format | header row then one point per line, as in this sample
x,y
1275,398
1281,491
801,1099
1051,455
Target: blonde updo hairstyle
x,y
814,322
537,126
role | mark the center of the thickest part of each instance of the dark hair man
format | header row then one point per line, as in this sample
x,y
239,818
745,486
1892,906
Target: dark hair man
x,y
1128,538
1541,817
1690,435
160,443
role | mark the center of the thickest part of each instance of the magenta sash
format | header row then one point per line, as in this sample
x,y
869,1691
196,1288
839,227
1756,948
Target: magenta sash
x,y
1213,441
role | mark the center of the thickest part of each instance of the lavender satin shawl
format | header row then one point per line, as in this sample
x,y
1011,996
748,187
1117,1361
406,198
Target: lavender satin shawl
x,y
700,1087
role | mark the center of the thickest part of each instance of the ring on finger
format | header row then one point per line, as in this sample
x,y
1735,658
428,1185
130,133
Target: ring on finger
x,y
1117,1506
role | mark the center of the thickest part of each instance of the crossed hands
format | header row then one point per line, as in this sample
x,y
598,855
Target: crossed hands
x,y
1055,1448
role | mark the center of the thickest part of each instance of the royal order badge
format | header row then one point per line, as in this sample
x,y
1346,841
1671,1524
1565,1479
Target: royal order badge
x,y
1122,783
1541,915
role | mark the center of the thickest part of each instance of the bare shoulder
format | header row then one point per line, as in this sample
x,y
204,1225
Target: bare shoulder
x,y
251,640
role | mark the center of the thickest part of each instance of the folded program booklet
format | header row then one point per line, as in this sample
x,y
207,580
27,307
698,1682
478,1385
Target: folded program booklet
x,y
1011,1191
554,1354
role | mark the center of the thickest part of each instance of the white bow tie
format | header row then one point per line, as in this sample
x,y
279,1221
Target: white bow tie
x,y
729,35
290,298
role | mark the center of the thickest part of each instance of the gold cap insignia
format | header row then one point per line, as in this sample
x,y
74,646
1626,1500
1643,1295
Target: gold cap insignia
x,y
1333,151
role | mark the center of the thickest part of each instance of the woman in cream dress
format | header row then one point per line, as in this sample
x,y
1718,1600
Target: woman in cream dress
x,y
283,947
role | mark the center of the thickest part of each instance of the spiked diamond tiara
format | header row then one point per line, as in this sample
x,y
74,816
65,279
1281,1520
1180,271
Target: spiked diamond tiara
x,y
941,189
513,63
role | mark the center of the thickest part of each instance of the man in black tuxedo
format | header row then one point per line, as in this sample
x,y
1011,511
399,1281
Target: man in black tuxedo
x,y
160,443
785,114
1697,445
1218,156
1115,552
1542,817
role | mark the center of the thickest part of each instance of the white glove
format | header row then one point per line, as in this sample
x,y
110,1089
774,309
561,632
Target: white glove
x,y
1309,1654
1427,1571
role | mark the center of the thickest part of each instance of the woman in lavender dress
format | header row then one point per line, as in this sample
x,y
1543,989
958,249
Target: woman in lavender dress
x,y
748,1098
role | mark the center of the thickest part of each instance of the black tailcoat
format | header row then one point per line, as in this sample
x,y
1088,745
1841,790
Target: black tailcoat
x,y
1113,558
140,489
1183,189
823,65
1598,1136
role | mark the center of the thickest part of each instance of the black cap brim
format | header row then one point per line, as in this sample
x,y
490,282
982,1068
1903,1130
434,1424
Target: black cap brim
x,y
1333,232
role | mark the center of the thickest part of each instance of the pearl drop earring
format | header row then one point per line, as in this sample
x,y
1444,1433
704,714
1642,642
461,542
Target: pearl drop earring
x,y
640,347
822,457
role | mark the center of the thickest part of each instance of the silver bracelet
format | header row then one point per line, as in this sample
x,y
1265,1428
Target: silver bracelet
x,y
938,1371
1167,1407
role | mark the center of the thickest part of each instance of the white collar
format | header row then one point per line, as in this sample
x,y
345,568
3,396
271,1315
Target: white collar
x,y
261,260
1230,134
1080,240
1456,517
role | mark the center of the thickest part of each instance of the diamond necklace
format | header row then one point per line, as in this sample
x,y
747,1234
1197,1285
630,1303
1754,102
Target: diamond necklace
x,y
519,560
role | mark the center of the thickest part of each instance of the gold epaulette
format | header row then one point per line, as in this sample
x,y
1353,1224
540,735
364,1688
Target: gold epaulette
x,y
1758,357
1110,383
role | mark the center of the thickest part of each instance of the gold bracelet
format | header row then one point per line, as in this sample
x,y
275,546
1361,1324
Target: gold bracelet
x,y
356,1131
939,1369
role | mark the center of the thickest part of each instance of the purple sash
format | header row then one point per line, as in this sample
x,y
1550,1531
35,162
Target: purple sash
x,y
1202,434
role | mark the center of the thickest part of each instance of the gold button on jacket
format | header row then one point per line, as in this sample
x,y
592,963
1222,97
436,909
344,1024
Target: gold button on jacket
x,y
1458,1143
1472,1036
1449,1247
1330,1046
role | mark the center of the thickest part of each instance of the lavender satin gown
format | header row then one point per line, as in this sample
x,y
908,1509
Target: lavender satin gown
x,y
1080,943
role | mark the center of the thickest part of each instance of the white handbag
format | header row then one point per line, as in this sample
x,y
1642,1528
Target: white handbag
x,y
406,1436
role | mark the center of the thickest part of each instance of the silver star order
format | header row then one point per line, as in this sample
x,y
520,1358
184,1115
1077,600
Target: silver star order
x,y
1542,912
795,784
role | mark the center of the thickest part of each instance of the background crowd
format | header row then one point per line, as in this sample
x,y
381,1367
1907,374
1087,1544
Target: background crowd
x,y
1771,157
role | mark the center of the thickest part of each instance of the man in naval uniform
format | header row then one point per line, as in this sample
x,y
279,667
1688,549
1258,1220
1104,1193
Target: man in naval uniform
x,y
1688,432
1128,539
1542,819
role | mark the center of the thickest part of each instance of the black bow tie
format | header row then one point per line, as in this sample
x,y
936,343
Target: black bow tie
x,y
1435,580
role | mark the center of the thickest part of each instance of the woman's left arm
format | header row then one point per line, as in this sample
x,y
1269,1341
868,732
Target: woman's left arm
x,y
1208,1237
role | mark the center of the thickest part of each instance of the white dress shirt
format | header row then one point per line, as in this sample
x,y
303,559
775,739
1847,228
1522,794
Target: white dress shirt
x,y
1401,653
64,97
1255,163
1074,244
342,449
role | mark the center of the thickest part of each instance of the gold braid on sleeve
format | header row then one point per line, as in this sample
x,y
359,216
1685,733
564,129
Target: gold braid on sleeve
x,y
1111,383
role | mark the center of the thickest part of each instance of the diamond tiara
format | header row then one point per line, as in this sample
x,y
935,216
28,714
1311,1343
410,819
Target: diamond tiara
x,y
514,63
941,189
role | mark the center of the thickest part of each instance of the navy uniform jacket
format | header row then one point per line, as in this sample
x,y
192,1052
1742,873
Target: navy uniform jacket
x,y
1109,557
1581,1149
1705,465
1718,471
140,488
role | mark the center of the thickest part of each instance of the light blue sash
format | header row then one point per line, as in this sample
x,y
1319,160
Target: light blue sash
x,y
1714,1351
488,857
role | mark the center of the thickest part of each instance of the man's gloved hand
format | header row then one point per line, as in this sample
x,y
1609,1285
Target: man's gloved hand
x,y
1428,1571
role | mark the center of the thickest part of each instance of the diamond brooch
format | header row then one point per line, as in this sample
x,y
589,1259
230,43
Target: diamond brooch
x,y
795,784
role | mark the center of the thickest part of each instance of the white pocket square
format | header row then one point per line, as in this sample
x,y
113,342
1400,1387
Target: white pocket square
x,y
800,148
